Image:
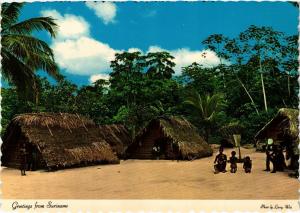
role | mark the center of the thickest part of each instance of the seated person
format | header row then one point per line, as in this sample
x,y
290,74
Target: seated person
x,y
233,162
247,164
220,161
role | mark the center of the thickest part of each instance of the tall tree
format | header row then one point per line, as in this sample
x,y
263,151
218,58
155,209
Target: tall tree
x,y
160,65
22,53
263,43
290,60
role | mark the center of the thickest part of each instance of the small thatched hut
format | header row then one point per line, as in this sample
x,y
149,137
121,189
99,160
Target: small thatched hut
x,y
176,137
283,129
58,140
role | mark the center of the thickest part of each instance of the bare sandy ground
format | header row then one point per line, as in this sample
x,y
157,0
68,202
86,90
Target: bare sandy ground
x,y
147,179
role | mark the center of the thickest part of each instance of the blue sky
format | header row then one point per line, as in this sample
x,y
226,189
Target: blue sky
x,y
91,33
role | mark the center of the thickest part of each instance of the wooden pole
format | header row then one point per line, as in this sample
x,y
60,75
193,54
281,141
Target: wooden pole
x,y
240,155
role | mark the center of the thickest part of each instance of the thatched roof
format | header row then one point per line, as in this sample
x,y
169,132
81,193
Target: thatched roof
x,y
183,134
61,120
286,120
117,136
62,139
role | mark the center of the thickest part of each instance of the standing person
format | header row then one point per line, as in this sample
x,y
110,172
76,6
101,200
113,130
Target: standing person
x,y
23,161
247,164
280,160
156,152
274,159
233,162
220,162
268,154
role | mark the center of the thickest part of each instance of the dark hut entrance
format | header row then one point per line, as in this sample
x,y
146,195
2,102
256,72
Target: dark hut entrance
x,y
155,138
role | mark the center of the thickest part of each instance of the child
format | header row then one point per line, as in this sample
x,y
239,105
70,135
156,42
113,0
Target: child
x,y
221,160
233,161
247,164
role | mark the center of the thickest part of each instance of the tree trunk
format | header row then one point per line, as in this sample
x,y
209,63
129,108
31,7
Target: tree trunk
x,y
263,86
248,95
264,92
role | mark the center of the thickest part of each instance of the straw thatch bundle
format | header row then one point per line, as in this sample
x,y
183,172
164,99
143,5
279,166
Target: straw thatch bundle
x,y
61,120
62,140
179,132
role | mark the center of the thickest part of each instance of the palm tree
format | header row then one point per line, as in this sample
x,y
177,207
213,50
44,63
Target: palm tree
x,y
206,107
23,54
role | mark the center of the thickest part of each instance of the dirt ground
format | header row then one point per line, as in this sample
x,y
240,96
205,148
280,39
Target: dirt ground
x,y
152,179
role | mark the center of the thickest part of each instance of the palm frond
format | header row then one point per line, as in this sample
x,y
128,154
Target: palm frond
x,y
44,62
10,13
23,54
194,100
17,72
32,44
206,106
39,24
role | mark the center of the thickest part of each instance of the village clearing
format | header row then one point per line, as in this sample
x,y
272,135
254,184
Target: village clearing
x,y
152,179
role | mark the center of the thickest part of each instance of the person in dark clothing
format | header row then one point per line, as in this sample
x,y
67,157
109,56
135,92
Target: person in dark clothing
x,y
268,157
280,160
23,161
220,162
247,164
233,162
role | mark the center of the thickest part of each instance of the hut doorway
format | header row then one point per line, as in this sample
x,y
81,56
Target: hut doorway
x,y
34,160
167,148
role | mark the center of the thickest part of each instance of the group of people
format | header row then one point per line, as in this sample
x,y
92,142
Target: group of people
x,y
274,155
221,161
28,159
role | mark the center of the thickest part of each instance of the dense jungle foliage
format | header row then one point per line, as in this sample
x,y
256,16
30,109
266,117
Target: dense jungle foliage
x,y
256,76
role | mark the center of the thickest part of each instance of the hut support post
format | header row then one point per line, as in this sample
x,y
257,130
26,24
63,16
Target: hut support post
x,y
240,155
237,140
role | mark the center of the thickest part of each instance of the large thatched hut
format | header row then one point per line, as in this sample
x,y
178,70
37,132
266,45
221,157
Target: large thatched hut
x,y
283,129
58,140
176,137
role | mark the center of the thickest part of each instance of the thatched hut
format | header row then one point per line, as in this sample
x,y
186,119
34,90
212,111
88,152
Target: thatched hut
x,y
58,140
283,129
176,137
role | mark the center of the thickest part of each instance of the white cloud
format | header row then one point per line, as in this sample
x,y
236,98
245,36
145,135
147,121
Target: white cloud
x,y
104,10
132,50
80,54
74,49
94,78
185,57
83,56
70,26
